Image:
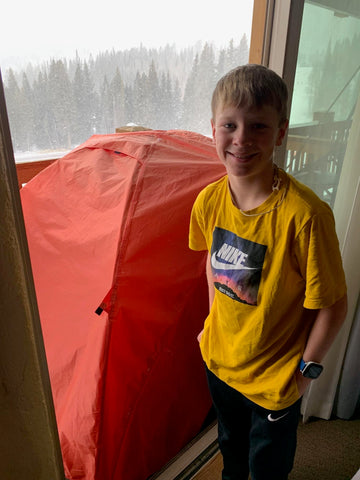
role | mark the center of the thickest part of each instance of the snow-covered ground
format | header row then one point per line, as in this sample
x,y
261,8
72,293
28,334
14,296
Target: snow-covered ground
x,y
26,157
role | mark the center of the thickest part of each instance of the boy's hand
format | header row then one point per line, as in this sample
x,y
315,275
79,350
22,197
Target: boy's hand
x,y
302,383
200,335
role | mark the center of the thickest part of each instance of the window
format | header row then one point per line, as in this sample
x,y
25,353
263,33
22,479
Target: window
x,y
67,93
326,90
138,64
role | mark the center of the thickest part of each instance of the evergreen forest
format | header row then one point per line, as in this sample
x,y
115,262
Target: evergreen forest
x,y
60,103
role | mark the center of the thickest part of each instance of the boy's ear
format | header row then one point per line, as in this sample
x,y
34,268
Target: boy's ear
x,y
281,133
213,128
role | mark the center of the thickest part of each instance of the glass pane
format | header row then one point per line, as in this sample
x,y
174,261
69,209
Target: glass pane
x,y
72,70
142,63
326,90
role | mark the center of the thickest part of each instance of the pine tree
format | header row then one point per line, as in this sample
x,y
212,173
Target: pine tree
x,y
205,87
79,107
42,134
140,100
153,99
91,101
85,105
60,104
117,92
106,119
177,106
221,65
242,56
198,92
13,102
190,97
27,115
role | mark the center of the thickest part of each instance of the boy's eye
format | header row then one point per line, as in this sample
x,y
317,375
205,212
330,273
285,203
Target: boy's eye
x,y
229,125
259,126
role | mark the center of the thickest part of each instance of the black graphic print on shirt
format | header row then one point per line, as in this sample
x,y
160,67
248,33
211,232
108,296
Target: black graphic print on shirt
x,y
236,266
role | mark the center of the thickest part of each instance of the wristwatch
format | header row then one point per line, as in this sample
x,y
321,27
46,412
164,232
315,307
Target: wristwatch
x,y
310,369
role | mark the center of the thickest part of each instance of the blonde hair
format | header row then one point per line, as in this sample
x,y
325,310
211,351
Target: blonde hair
x,y
251,85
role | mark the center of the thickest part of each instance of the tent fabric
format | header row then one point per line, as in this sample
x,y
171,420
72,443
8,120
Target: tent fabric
x,y
108,225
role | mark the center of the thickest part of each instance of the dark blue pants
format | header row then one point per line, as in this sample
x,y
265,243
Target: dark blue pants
x,y
251,438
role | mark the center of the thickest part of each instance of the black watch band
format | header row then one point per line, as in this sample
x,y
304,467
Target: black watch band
x,y
310,369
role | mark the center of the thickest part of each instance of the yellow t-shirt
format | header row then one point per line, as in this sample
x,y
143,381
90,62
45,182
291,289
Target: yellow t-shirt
x,y
266,269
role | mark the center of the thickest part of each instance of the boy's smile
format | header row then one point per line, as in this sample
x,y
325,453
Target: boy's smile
x,y
245,138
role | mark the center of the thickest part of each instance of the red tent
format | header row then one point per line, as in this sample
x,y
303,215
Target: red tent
x,y
112,216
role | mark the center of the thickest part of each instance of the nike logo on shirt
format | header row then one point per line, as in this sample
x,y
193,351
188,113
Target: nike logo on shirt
x,y
229,258
276,419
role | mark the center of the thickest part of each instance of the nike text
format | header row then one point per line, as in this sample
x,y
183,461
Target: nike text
x,y
232,255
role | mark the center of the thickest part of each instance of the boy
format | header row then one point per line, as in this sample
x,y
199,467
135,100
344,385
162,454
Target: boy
x,y
276,284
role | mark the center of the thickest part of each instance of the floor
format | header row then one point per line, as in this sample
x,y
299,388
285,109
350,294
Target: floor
x,y
212,470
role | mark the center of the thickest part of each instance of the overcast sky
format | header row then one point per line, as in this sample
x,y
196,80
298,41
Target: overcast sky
x,y
40,29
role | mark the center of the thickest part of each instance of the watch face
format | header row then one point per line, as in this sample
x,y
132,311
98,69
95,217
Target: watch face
x,y
312,370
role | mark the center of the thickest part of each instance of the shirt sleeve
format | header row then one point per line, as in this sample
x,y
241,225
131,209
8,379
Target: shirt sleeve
x,y
320,261
197,237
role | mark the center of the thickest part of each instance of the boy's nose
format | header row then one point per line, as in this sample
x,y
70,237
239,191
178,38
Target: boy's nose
x,y
241,137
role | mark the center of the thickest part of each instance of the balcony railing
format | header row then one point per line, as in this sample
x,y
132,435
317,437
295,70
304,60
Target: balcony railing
x,y
315,154
26,171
